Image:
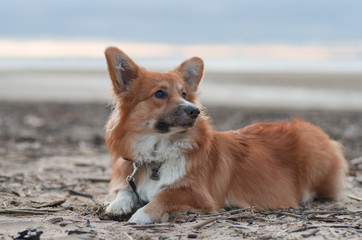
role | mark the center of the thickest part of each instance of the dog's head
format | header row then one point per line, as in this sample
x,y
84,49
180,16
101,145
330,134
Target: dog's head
x,y
153,102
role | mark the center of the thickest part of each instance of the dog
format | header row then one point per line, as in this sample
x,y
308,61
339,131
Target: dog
x,y
167,158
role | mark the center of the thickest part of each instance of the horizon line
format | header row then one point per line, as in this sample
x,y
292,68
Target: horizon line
x,y
48,48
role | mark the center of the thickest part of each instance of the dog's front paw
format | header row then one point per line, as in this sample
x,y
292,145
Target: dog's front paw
x,y
140,217
122,204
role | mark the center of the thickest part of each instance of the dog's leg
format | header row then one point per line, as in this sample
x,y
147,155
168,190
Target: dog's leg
x,y
170,201
140,217
123,203
125,200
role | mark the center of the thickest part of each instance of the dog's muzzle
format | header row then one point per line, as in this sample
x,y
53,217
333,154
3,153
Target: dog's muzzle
x,y
183,115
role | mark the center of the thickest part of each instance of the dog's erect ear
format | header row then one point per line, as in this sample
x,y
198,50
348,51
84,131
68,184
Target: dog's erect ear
x,y
192,71
122,70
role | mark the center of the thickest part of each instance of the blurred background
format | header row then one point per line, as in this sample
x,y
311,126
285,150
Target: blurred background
x,y
274,54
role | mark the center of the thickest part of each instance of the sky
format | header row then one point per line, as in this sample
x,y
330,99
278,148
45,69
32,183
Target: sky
x,y
185,22
242,29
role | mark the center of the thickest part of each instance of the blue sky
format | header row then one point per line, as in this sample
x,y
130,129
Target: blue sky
x,y
185,22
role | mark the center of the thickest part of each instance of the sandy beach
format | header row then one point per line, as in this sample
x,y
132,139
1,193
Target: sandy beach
x,y
54,168
54,173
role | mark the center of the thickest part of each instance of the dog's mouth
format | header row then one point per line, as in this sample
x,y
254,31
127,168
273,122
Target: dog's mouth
x,y
165,127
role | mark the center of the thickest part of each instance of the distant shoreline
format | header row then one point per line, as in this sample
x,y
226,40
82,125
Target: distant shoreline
x,y
275,90
212,64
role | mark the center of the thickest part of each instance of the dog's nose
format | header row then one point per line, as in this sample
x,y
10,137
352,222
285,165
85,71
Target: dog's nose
x,y
192,111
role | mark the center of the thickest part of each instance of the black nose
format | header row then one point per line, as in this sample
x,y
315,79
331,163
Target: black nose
x,y
192,111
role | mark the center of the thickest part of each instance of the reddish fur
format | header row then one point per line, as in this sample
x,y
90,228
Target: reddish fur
x,y
267,165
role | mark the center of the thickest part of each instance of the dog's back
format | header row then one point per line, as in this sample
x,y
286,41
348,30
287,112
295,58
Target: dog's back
x,y
273,165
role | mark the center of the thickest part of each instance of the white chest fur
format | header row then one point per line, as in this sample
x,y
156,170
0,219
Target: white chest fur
x,y
169,172
162,150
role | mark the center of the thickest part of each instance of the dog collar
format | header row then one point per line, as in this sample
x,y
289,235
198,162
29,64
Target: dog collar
x,y
155,168
130,179
155,175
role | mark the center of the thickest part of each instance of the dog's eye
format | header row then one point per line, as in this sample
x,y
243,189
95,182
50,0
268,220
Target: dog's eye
x,y
184,95
160,94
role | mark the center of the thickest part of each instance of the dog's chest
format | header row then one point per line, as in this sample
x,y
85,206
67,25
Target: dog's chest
x,y
158,148
168,173
164,162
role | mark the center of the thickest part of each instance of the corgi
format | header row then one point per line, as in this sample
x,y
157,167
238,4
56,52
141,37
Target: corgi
x,y
168,159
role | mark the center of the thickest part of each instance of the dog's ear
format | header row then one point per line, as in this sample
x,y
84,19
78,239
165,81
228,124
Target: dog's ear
x,y
122,70
192,70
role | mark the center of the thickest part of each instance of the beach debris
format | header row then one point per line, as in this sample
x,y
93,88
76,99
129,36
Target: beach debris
x,y
4,178
29,211
191,235
152,226
354,197
200,225
312,233
29,234
50,204
74,192
56,220
71,232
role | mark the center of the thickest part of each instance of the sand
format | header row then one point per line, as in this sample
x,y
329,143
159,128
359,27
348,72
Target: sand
x,y
54,173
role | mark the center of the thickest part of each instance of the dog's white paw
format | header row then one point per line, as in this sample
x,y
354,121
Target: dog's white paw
x,y
122,204
140,217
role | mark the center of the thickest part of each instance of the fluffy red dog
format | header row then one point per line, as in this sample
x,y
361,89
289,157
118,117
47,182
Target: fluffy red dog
x,y
158,126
